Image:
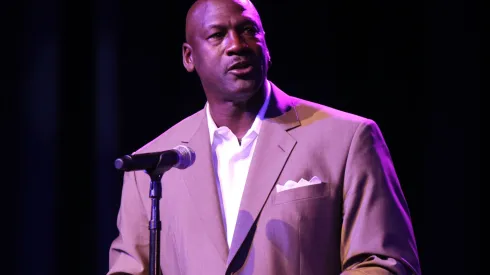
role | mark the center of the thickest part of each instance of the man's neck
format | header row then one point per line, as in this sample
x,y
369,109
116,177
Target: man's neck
x,y
237,116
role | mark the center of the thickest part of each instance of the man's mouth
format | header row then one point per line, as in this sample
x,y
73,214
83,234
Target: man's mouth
x,y
240,68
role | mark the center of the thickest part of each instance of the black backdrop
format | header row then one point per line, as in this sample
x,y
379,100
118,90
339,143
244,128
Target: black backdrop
x,y
86,81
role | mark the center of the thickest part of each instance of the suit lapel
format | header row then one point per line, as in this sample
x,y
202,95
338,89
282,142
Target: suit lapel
x,y
201,184
274,145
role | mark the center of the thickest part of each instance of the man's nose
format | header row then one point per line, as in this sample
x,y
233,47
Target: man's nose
x,y
236,44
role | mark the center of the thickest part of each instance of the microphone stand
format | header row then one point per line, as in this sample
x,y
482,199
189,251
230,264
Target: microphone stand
x,y
183,158
155,225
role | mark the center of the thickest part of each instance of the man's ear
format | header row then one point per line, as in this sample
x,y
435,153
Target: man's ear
x,y
187,57
267,54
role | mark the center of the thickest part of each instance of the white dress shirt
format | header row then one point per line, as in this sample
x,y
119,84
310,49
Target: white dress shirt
x,y
231,161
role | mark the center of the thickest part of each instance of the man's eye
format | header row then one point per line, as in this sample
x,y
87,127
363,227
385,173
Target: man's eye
x,y
250,30
217,35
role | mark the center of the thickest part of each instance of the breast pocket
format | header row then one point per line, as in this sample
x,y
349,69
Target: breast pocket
x,y
308,192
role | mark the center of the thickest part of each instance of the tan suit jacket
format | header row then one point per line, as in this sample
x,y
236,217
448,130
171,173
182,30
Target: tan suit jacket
x,y
355,222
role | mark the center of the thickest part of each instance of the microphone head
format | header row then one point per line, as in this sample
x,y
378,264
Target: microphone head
x,y
120,163
187,156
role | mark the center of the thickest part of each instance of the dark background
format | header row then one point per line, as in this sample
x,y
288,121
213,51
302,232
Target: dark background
x,y
84,82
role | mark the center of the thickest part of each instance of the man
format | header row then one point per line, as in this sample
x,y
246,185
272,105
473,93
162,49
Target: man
x,y
280,185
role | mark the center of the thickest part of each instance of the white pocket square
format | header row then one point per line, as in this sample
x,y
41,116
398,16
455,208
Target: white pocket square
x,y
290,184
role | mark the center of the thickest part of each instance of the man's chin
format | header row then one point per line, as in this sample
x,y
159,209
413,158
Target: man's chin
x,y
243,85
241,90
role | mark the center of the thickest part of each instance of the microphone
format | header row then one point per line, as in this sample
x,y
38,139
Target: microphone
x,y
180,157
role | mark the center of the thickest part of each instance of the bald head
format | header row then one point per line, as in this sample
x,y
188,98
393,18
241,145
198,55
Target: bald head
x,y
197,13
225,45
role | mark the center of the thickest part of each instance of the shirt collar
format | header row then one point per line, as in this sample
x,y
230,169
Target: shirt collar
x,y
256,125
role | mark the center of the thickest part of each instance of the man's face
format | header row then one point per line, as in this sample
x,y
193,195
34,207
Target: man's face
x,y
226,46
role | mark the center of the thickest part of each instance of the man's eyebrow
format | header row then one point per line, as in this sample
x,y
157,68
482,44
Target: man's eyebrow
x,y
215,26
224,26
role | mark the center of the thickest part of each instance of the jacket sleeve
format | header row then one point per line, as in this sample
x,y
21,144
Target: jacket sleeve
x,y
377,234
128,253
